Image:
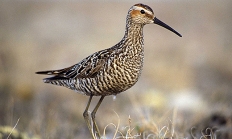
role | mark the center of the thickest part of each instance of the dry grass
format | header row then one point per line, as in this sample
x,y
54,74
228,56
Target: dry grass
x,y
184,80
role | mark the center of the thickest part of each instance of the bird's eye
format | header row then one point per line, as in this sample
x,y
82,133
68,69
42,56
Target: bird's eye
x,y
142,12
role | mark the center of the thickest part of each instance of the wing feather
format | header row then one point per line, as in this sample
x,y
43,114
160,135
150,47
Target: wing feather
x,y
87,68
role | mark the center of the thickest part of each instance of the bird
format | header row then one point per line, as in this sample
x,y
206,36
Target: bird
x,y
112,70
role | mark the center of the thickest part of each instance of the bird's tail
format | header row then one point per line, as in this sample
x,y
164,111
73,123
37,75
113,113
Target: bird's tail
x,y
50,72
60,77
57,75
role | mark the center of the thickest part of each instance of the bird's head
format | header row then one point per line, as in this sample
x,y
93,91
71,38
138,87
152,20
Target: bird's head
x,y
143,14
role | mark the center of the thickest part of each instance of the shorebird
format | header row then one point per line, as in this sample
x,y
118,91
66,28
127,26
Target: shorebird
x,y
112,70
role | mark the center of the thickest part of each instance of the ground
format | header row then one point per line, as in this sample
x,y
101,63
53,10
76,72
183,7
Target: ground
x,y
184,90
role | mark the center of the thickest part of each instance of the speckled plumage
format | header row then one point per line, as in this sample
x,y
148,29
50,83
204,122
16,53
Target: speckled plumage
x,y
106,72
113,70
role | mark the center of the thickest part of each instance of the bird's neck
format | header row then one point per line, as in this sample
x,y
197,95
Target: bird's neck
x,y
133,38
134,33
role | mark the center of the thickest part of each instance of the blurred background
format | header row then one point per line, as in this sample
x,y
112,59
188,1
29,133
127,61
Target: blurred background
x,y
183,80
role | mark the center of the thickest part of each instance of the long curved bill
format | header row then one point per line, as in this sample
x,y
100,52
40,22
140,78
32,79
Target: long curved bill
x,y
158,22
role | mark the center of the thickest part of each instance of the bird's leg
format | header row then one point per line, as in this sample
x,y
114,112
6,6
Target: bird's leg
x,y
93,115
87,118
